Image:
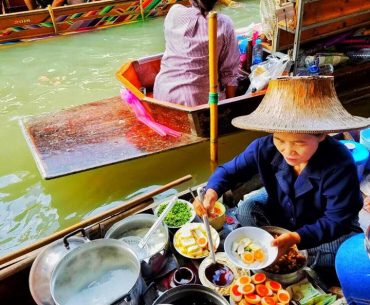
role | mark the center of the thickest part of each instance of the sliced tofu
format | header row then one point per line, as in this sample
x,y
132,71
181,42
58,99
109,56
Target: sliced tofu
x,y
197,253
199,233
246,242
186,234
188,242
193,249
240,249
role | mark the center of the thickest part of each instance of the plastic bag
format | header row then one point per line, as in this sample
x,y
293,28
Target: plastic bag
x,y
273,67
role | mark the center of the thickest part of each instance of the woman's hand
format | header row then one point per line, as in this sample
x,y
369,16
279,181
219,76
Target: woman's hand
x,y
210,199
285,241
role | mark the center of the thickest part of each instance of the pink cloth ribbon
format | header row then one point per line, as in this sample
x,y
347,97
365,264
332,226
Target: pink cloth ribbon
x,y
144,117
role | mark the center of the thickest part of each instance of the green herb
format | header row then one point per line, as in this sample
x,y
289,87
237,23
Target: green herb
x,y
248,249
179,214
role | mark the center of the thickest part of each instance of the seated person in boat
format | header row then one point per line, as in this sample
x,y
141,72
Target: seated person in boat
x,y
184,74
310,179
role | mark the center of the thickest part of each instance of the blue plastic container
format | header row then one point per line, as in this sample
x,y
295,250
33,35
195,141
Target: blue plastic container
x,y
365,140
360,155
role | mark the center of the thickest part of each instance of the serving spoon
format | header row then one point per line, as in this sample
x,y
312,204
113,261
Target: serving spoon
x,y
154,227
217,273
201,192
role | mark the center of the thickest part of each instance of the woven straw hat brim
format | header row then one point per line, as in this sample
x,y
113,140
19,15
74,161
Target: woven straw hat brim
x,y
256,122
301,105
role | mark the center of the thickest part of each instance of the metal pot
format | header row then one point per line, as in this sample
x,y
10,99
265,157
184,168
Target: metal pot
x,y
188,294
158,246
286,278
100,272
43,266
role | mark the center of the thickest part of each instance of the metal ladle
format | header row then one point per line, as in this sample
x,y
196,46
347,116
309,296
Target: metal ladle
x,y
201,193
214,268
154,227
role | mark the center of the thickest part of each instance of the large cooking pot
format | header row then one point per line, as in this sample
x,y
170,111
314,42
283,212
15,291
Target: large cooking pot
x,y
101,272
191,295
43,266
286,278
155,255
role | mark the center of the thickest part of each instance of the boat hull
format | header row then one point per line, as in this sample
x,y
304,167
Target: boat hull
x,y
28,25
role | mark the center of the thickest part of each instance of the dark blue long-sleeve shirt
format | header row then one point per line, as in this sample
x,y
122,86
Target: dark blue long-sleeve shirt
x,y
321,204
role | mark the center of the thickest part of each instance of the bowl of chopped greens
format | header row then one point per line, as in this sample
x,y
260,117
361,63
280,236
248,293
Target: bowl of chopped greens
x,y
181,213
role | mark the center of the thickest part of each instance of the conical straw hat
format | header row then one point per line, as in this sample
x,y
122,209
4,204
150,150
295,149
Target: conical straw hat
x,y
306,104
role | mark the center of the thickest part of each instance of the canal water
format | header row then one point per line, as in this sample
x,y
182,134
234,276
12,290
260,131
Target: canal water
x,y
44,76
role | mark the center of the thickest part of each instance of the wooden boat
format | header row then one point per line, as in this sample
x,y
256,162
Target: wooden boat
x,y
14,273
108,132
138,76
28,25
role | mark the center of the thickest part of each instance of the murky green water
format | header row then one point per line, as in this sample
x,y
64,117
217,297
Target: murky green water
x,y
48,75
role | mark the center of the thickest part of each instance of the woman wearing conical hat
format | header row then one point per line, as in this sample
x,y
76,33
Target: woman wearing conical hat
x,y
310,179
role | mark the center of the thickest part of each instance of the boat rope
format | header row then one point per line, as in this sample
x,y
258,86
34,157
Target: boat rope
x,y
51,13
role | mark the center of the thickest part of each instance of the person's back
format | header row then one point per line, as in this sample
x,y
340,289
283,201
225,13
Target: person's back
x,y
183,78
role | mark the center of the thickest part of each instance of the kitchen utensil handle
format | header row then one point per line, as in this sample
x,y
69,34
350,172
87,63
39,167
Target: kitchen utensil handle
x,y
65,238
157,222
201,192
210,241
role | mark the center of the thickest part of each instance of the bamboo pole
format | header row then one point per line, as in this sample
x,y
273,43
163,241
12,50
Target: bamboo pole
x,y
213,85
116,210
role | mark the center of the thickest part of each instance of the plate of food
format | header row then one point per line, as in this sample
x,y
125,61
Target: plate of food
x,y
191,240
250,248
258,289
181,213
290,267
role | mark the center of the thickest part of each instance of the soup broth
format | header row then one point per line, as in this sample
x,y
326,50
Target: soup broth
x,y
219,274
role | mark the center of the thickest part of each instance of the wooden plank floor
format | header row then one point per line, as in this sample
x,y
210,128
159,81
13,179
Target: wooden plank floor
x,y
93,135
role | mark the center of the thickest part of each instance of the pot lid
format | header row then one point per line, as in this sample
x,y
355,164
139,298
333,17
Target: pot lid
x,y
43,266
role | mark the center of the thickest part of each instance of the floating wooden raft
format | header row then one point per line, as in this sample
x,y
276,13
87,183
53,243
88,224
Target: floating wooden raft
x,y
93,135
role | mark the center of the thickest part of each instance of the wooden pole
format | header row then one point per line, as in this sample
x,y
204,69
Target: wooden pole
x,y
213,85
51,13
116,210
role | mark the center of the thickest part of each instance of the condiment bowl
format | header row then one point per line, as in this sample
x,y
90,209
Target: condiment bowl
x,y
217,220
176,214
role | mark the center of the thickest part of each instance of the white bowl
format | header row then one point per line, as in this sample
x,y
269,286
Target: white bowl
x,y
192,211
258,236
191,226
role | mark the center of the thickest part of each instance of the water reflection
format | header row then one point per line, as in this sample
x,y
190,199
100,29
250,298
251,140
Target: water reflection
x,y
23,218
